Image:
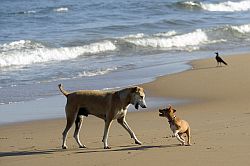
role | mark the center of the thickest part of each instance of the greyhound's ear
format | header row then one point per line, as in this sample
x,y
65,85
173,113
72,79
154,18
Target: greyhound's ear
x,y
134,89
169,106
174,110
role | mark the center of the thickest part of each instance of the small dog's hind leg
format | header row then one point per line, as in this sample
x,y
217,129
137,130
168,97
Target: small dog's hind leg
x,y
181,136
189,136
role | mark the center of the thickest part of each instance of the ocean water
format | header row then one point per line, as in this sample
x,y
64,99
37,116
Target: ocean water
x,y
105,44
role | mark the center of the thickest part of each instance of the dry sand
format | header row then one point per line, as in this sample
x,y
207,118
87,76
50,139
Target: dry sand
x,y
218,112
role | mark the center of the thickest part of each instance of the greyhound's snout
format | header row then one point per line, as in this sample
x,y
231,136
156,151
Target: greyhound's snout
x,y
140,104
143,104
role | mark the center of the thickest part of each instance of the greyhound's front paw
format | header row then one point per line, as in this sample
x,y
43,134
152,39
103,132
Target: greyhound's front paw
x,y
64,147
138,142
82,146
107,147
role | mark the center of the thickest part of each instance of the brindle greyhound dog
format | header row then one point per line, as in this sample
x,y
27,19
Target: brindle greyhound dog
x,y
105,105
177,125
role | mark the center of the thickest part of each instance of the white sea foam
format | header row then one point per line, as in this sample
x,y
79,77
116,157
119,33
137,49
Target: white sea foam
x,y
25,52
175,42
138,35
141,35
216,41
166,34
242,28
95,73
228,6
61,9
191,3
21,44
30,12
83,74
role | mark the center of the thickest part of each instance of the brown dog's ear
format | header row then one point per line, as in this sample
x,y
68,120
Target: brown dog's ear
x,y
169,106
134,89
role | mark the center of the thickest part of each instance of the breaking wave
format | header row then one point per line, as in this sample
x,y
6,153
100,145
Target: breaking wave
x,y
228,6
25,52
27,12
61,9
170,40
191,41
90,73
43,10
96,72
242,28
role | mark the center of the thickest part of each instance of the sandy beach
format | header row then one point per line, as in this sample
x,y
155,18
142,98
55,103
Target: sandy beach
x,y
218,110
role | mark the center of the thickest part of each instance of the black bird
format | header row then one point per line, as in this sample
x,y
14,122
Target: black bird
x,y
219,60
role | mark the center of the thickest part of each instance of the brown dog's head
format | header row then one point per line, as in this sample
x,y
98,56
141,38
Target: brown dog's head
x,y
138,97
167,112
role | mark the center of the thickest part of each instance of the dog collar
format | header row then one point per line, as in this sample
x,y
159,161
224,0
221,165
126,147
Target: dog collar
x,y
170,121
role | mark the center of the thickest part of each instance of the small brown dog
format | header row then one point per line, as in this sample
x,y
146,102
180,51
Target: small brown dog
x,y
177,125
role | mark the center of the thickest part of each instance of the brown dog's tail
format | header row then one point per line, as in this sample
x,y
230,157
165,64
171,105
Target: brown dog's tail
x,y
63,91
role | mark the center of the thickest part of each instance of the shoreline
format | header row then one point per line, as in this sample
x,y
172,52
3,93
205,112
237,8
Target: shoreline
x,y
60,101
15,94
53,108
218,116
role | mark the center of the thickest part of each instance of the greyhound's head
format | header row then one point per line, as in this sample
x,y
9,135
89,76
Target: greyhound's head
x,y
138,97
168,113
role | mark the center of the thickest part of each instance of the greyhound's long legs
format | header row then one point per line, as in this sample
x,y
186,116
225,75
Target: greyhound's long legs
x,y
70,120
106,133
125,125
78,124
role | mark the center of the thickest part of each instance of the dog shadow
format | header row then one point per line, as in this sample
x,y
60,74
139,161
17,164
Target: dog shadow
x,y
129,148
83,151
28,153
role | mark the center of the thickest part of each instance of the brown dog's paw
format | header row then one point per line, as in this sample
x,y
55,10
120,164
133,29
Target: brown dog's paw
x,y
138,142
107,147
82,147
64,147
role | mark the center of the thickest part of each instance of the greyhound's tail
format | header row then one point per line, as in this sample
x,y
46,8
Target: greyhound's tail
x,y
63,91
